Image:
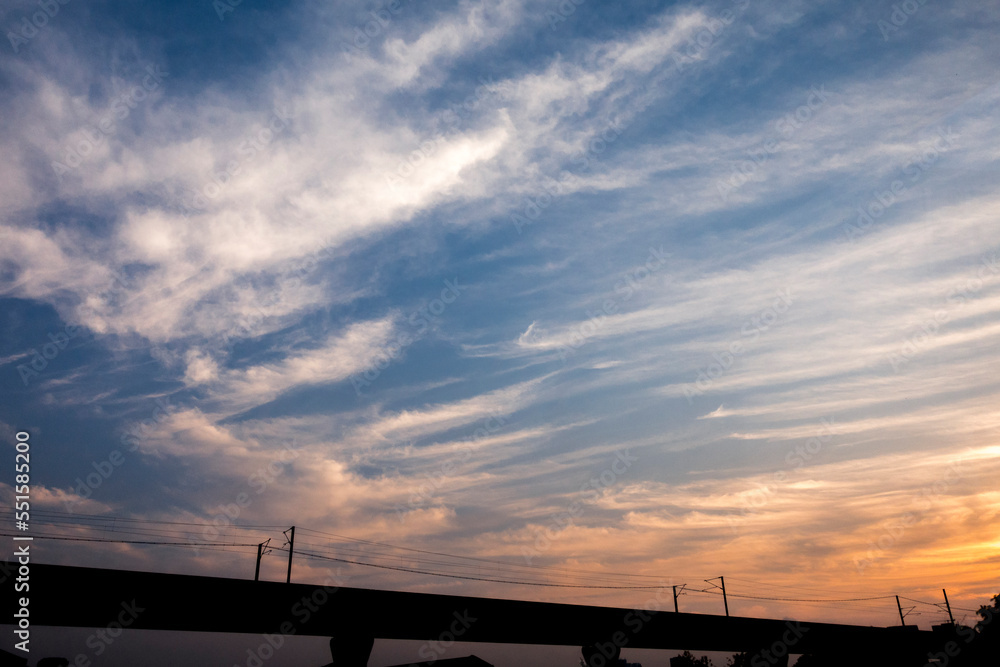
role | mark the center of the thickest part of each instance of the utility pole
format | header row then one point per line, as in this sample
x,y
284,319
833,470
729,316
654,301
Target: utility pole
x,y
900,607
676,610
722,580
948,605
724,600
260,552
291,548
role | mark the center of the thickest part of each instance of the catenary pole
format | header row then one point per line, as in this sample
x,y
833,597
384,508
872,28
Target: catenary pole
x,y
291,549
948,605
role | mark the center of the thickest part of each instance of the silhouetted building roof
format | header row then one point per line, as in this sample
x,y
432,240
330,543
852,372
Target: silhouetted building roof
x,y
467,661
12,660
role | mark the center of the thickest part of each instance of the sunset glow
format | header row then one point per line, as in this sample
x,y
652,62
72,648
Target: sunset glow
x,y
502,299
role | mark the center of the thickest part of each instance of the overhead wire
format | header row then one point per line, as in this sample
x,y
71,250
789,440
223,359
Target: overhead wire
x,y
147,542
459,576
478,561
43,512
516,573
770,586
474,558
464,566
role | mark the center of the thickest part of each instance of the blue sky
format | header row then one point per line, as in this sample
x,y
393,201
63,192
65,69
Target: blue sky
x,y
460,264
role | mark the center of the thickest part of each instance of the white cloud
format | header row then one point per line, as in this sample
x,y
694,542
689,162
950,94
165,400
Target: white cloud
x,y
352,351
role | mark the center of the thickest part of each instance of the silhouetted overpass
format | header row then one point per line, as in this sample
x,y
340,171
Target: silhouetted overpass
x,y
95,598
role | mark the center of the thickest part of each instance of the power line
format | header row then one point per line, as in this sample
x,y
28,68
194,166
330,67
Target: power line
x,y
460,576
474,558
150,528
939,605
99,517
476,563
96,539
316,556
769,585
758,597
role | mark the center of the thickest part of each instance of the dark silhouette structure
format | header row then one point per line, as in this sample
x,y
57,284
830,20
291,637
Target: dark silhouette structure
x,y
353,651
687,660
601,655
11,660
468,661
354,617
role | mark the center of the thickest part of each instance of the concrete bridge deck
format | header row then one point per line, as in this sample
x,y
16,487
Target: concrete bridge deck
x,y
90,597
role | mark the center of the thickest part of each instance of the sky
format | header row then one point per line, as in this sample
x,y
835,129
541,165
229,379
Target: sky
x,y
658,291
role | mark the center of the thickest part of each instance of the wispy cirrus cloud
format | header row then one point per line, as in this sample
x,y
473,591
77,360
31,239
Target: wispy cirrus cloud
x,y
258,229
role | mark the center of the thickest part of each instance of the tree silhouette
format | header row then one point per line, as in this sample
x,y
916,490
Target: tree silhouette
x,y
989,614
813,660
739,660
980,646
687,660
